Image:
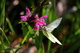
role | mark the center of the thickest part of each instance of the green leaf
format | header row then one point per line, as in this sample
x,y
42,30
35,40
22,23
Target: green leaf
x,y
30,29
40,50
77,32
24,29
49,45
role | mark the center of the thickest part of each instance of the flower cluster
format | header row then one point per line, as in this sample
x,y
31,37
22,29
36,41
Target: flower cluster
x,y
33,19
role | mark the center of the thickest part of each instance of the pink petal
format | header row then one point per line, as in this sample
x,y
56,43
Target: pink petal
x,y
36,28
43,23
43,17
24,18
36,16
38,24
28,11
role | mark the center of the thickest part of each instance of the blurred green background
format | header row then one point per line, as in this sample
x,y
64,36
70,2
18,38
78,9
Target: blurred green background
x,y
68,32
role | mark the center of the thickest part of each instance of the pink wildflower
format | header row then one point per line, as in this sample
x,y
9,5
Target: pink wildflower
x,y
33,19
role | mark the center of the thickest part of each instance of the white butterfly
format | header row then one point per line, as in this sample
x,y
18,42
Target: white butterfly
x,y
49,28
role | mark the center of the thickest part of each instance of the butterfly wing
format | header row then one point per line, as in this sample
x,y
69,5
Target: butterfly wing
x,y
51,37
54,38
50,27
47,35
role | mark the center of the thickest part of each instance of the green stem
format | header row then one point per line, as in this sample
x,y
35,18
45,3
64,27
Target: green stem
x,y
25,38
49,46
6,38
2,13
22,41
10,26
